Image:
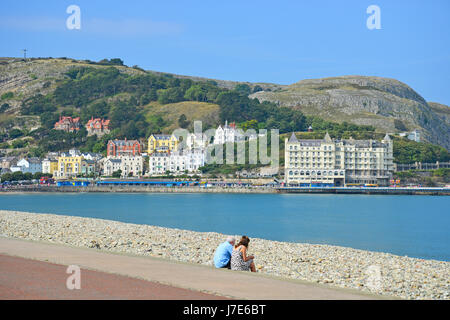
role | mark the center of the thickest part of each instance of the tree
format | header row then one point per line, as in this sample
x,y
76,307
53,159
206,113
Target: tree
x,y
15,133
183,122
16,176
27,176
243,89
117,174
170,95
38,175
6,177
257,88
250,124
196,93
4,107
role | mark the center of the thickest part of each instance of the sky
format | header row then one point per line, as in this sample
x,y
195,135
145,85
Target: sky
x,y
258,41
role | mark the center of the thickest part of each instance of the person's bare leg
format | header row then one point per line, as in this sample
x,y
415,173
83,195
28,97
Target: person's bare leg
x,y
252,267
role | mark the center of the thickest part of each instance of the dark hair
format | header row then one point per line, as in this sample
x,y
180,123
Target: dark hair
x,y
244,242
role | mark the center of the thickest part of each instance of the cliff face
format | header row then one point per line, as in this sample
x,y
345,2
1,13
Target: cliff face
x,y
387,104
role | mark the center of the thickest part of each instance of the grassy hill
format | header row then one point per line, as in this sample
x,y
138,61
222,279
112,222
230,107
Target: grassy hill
x,y
35,92
208,113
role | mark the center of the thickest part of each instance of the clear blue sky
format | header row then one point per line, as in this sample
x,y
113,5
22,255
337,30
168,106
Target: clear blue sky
x,y
259,41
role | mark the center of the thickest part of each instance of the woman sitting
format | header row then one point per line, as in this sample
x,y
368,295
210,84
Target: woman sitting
x,y
239,259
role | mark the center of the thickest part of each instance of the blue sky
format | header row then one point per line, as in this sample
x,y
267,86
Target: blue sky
x,y
259,41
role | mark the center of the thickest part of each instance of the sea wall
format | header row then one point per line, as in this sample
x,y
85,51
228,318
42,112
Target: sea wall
x,y
149,189
218,189
382,273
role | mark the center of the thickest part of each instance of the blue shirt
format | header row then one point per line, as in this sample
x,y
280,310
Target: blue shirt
x,y
223,254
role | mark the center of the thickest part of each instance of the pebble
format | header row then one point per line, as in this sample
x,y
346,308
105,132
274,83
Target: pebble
x,y
375,272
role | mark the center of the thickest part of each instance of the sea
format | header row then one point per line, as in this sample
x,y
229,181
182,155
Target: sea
x,y
414,226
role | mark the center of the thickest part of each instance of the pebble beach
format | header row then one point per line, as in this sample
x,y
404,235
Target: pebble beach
x,y
376,272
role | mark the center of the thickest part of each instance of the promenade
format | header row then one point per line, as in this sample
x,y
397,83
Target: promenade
x,y
36,270
239,190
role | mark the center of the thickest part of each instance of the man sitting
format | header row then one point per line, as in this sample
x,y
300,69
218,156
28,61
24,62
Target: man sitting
x,y
222,256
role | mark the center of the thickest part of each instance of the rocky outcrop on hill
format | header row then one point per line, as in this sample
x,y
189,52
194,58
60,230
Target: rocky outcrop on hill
x,y
387,104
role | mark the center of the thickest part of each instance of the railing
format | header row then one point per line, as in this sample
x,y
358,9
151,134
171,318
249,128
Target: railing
x,y
421,166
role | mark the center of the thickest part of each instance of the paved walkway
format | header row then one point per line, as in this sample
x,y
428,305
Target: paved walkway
x,y
198,282
36,280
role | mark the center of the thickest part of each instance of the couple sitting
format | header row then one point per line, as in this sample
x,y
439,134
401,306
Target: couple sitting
x,y
234,257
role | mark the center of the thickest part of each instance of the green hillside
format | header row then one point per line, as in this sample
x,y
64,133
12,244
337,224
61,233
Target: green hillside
x,y
34,93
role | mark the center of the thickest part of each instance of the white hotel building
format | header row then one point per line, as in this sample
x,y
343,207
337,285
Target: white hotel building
x,y
338,162
176,162
133,165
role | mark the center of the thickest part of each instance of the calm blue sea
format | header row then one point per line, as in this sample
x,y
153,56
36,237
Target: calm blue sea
x,y
416,226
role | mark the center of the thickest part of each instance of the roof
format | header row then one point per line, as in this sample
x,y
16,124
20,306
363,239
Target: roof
x,y
162,136
104,122
293,138
114,160
67,118
159,154
124,142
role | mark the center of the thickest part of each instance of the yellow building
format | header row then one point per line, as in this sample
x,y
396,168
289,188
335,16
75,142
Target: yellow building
x,y
68,167
162,143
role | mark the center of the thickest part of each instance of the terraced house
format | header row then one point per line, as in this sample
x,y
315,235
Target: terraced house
x,y
129,166
177,162
31,165
329,162
118,148
49,166
68,167
72,166
162,143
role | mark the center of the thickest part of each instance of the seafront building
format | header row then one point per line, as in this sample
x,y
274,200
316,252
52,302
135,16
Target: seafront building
x,y
7,162
49,166
128,165
338,162
162,143
196,141
68,166
228,133
118,148
176,162
31,165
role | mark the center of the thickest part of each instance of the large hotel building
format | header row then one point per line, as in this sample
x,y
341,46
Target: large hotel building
x,y
338,162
